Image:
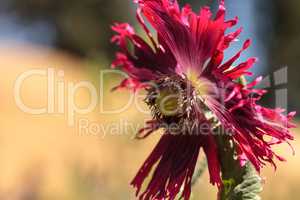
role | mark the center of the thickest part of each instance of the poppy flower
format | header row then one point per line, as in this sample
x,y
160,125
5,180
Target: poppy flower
x,y
192,91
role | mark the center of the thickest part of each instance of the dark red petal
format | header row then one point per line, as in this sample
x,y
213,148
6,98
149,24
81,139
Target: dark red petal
x,y
191,38
143,63
176,157
229,63
241,69
210,149
129,84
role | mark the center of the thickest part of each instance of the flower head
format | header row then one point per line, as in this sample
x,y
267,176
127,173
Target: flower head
x,y
192,91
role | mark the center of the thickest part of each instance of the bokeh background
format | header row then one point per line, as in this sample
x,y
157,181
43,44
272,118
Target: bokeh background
x,y
43,158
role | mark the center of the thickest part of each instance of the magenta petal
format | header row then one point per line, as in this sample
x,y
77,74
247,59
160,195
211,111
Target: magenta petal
x,y
176,157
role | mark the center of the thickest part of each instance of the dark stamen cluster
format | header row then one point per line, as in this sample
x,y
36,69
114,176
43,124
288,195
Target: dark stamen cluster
x,y
176,105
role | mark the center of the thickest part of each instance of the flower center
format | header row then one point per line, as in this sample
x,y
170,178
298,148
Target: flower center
x,y
168,101
179,103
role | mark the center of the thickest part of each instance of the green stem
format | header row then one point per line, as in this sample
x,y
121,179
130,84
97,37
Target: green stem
x,y
239,183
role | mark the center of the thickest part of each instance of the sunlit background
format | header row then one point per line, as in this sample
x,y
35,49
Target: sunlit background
x,y
46,157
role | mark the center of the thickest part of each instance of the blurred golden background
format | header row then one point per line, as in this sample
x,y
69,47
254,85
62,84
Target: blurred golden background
x,y
44,158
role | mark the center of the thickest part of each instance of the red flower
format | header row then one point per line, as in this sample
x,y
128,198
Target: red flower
x,y
186,62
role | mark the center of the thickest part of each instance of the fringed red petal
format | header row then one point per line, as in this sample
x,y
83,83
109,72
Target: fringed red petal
x,y
175,158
